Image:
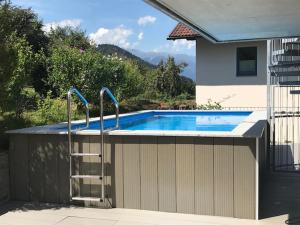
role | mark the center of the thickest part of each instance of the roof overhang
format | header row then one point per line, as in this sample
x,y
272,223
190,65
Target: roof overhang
x,y
189,38
236,20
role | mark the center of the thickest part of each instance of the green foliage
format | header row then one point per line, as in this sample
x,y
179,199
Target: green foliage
x,y
16,76
187,86
138,103
21,28
132,83
24,23
67,36
210,105
52,110
165,82
27,100
87,70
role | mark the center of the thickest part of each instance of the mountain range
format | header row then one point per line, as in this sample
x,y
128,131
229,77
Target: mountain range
x,y
111,50
155,57
151,59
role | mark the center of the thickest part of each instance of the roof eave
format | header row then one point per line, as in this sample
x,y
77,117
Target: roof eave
x,y
189,38
161,7
179,18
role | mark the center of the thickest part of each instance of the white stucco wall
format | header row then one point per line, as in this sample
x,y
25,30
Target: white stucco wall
x,y
216,75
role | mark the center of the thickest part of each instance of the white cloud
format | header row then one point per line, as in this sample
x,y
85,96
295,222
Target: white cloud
x,y
182,43
64,23
176,46
116,36
143,21
140,36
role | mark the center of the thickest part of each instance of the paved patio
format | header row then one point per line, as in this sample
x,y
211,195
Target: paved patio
x,y
14,213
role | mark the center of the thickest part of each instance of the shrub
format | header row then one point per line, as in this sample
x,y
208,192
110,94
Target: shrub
x,y
53,110
210,105
86,70
23,62
28,99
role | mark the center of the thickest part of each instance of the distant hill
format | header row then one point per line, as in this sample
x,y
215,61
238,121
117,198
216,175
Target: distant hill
x,y
151,59
112,50
156,57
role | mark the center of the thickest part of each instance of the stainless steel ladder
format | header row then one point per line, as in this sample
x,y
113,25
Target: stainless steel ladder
x,y
74,154
102,131
102,149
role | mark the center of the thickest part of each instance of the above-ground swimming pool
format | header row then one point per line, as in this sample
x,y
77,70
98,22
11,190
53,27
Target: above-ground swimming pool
x,y
175,121
199,162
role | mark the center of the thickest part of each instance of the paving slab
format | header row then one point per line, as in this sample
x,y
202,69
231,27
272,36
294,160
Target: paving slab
x,y
49,214
85,221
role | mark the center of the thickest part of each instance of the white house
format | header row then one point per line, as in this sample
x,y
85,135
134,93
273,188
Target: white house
x,y
233,74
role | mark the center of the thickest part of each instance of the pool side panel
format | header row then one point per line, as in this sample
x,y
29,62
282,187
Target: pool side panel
x,y
167,174
63,168
117,172
51,174
149,182
210,176
132,175
223,176
244,178
185,174
18,157
204,176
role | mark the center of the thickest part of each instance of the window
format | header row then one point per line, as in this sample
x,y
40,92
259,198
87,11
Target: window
x,y
246,64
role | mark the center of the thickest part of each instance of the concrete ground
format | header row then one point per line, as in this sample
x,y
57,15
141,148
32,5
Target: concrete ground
x,y
14,213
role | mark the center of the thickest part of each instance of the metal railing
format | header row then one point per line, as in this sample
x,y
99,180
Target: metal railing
x,y
69,108
116,103
284,104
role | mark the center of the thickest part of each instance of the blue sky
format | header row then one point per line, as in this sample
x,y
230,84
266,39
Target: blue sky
x,y
127,23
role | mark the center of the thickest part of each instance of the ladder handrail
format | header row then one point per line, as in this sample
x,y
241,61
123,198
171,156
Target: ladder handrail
x,y
69,108
116,103
84,101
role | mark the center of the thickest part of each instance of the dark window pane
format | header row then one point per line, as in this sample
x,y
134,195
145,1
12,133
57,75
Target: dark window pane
x,y
247,61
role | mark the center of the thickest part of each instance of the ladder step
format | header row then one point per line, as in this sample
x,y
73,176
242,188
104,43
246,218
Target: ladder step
x,y
292,82
87,176
87,199
85,154
285,73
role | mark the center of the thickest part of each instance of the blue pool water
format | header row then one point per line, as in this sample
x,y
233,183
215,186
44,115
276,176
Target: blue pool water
x,y
177,120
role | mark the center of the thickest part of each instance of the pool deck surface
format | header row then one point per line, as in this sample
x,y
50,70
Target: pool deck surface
x,y
13,213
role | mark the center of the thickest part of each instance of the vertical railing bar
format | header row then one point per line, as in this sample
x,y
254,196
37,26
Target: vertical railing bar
x,y
116,103
69,142
280,121
298,126
293,133
287,124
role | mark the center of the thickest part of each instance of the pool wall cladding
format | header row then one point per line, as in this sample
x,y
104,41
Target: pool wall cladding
x,y
4,177
196,175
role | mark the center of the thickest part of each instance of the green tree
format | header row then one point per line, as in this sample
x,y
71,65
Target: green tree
x,y
68,36
87,70
168,77
187,85
133,82
75,62
23,24
16,76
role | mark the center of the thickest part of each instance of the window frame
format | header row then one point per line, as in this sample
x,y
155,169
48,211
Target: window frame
x,y
245,74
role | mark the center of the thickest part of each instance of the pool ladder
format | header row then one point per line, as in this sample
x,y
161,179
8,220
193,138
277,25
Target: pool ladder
x,y
73,154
